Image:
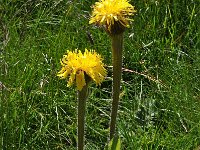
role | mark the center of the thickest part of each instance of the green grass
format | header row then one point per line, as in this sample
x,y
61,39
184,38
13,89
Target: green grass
x,y
160,105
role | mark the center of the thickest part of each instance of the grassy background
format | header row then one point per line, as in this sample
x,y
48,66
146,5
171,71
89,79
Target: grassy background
x,y
160,99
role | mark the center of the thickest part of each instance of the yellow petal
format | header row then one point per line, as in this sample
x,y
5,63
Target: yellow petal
x,y
80,80
71,79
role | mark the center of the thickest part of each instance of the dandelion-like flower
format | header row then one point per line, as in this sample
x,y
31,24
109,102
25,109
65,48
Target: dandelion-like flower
x,y
78,65
111,13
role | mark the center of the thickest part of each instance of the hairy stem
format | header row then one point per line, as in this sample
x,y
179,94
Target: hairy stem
x,y
117,44
82,97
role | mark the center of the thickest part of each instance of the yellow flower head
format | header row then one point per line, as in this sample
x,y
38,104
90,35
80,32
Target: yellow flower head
x,y
76,65
110,12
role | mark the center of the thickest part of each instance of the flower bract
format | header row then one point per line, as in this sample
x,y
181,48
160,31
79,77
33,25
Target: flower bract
x,y
109,12
77,65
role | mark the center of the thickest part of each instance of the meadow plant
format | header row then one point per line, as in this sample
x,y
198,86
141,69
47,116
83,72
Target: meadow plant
x,y
82,67
114,16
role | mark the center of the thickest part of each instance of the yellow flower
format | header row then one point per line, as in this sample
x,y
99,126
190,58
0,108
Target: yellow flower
x,y
109,12
76,65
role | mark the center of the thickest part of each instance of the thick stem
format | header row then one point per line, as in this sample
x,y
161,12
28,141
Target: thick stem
x,y
117,45
82,97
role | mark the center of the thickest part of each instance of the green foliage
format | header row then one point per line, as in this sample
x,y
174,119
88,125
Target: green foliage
x,y
159,107
114,144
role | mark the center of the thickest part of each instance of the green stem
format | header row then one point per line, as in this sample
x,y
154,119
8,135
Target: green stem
x,y
82,97
117,44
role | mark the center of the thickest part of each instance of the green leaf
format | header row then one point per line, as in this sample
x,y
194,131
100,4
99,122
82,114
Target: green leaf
x,y
114,144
